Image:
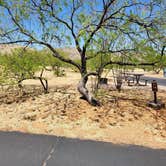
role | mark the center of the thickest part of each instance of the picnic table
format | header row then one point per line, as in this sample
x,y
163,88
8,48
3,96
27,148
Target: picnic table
x,y
137,78
130,77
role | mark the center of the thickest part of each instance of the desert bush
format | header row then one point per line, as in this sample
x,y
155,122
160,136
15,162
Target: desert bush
x,y
19,66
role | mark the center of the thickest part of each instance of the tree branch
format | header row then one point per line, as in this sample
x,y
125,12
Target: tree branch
x,y
99,25
126,64
34,40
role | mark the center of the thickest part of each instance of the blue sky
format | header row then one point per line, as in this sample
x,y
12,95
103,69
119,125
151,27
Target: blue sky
x,y
33,25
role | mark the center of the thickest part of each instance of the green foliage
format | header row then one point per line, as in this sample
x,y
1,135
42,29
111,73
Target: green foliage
x,y
20,65
48,60
1,2
98,60
150,55
5,77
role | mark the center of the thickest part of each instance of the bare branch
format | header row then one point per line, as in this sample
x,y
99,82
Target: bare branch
x,y
5,34
56,54
14,42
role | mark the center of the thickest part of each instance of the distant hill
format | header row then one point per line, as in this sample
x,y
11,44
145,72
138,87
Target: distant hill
x,y
8,48
71,52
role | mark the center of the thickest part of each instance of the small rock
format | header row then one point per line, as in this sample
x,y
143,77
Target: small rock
x,y
102,125
163,134
63,114
33,98
9,101
140,115
95,109
113,123
130,119
96,120
155,132
136,117
122,114
30,116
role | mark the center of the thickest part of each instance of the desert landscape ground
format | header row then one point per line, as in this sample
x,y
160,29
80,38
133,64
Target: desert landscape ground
x,y
123,117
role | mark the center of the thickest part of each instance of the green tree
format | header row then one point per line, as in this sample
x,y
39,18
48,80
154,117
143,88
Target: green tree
x,y
82,23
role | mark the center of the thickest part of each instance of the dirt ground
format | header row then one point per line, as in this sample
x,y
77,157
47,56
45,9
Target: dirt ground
x,y
123,117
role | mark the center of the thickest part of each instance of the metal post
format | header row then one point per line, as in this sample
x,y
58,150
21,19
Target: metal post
x,y
155,89
155,103
155,97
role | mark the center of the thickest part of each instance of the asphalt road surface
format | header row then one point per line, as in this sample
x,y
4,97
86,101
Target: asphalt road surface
x,y
160,81
17,149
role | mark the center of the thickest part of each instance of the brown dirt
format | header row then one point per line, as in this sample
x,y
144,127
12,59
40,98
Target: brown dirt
x,y
122,118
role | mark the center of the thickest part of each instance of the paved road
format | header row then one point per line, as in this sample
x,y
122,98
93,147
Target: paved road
x,y
160,81
18,149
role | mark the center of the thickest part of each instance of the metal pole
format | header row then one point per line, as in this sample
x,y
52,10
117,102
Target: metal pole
x,y
155,97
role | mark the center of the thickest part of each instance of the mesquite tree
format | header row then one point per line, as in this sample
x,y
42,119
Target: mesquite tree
x,y
81,23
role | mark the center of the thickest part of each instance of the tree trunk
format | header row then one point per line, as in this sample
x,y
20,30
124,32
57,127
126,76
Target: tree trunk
x,y
84,91
44,85
99,73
